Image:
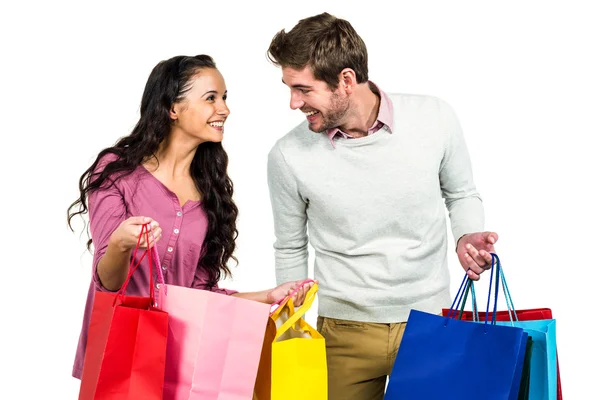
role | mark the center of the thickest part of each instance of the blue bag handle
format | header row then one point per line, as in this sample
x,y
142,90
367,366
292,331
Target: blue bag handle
x,y
467,286
512,313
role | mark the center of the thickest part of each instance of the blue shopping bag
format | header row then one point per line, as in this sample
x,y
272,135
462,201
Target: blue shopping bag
x,y
444,358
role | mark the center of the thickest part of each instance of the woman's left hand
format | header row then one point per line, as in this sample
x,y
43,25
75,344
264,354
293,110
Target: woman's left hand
x,y
285,289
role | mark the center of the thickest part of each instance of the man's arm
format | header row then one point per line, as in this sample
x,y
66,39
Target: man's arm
x,y
463,201
456,180
289,218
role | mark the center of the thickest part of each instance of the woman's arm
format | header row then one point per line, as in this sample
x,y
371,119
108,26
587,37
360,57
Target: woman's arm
x,y
113,267
276,294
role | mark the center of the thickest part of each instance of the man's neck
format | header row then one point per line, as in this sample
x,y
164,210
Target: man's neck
x,y
364,111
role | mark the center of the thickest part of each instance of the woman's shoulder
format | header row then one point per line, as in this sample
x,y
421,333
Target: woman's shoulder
x,y
104,160
116,174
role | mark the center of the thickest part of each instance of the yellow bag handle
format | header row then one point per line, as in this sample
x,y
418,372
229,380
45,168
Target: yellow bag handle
x,y
308,300
281,304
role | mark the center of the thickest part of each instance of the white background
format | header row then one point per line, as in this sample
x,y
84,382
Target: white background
x,y
521,75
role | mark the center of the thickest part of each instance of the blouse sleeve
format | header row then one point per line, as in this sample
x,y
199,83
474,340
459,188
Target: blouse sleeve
x,y
201,282
107,210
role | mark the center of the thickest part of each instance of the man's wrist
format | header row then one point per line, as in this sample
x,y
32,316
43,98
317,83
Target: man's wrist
x,y
458,241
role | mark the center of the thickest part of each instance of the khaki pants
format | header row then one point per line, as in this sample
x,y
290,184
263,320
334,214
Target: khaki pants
x,y
360,356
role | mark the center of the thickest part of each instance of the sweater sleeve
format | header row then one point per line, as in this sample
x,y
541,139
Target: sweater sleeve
x,y
463,202
289,218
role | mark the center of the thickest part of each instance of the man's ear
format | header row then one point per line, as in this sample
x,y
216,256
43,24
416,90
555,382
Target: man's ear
x,y
348,80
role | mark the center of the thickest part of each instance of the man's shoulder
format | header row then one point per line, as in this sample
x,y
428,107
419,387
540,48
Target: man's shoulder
x,y
417,101
418,109
300,138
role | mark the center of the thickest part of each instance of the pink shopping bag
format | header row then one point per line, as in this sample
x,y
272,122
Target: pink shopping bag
x,y
213,346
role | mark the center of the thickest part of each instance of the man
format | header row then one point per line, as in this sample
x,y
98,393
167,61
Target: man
x,y
366,172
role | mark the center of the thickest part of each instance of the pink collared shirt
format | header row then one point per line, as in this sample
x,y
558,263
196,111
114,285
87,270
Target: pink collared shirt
x,y
385,117
184,229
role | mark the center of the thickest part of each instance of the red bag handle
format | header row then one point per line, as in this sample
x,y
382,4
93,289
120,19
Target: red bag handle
x,y
133,266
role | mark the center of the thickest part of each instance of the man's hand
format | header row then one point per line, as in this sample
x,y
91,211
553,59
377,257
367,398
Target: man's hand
x,y
474,251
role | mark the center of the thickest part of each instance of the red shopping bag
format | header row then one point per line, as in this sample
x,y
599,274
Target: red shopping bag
x,y
533,314
126,347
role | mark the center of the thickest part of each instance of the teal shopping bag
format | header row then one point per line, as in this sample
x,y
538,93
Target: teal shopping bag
x,y
542,381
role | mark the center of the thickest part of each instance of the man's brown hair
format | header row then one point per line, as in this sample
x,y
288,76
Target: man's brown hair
x,y
325,43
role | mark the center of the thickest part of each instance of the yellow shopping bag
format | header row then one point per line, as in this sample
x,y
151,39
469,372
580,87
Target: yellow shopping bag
x,y
293,365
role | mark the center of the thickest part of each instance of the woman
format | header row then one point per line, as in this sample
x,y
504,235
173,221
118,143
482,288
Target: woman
x,y
171,173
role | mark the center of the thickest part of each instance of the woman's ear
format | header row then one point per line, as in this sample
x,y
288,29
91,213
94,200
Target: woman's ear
x,y
174,112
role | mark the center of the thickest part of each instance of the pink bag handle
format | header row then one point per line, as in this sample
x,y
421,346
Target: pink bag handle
x,y
275,306
159,275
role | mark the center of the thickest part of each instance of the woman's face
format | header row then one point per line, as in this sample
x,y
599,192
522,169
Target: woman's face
x,y
203,111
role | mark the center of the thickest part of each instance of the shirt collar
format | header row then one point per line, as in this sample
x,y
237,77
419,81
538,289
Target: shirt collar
x,y
385,117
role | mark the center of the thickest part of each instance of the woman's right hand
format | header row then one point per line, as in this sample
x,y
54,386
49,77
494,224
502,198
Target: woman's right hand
x,y
285,289
125,237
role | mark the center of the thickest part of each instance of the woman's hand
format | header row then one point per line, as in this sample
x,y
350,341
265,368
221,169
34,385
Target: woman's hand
x,y
286,289
125,237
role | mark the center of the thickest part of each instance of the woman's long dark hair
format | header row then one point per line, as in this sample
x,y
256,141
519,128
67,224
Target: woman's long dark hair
x,y
168,84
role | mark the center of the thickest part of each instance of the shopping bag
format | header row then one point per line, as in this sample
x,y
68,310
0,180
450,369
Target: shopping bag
x,y
543,378
437,353
526,374
293,362
543,363
126,345
214,344
533,314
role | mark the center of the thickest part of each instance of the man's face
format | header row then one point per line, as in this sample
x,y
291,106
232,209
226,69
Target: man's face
x,y
324,109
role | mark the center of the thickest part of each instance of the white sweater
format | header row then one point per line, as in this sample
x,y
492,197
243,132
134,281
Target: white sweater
x,y
375,212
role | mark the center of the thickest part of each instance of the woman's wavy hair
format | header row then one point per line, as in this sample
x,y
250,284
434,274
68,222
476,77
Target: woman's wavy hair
x,y
168,83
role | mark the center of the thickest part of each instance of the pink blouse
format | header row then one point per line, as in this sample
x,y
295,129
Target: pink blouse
x,y
183,232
